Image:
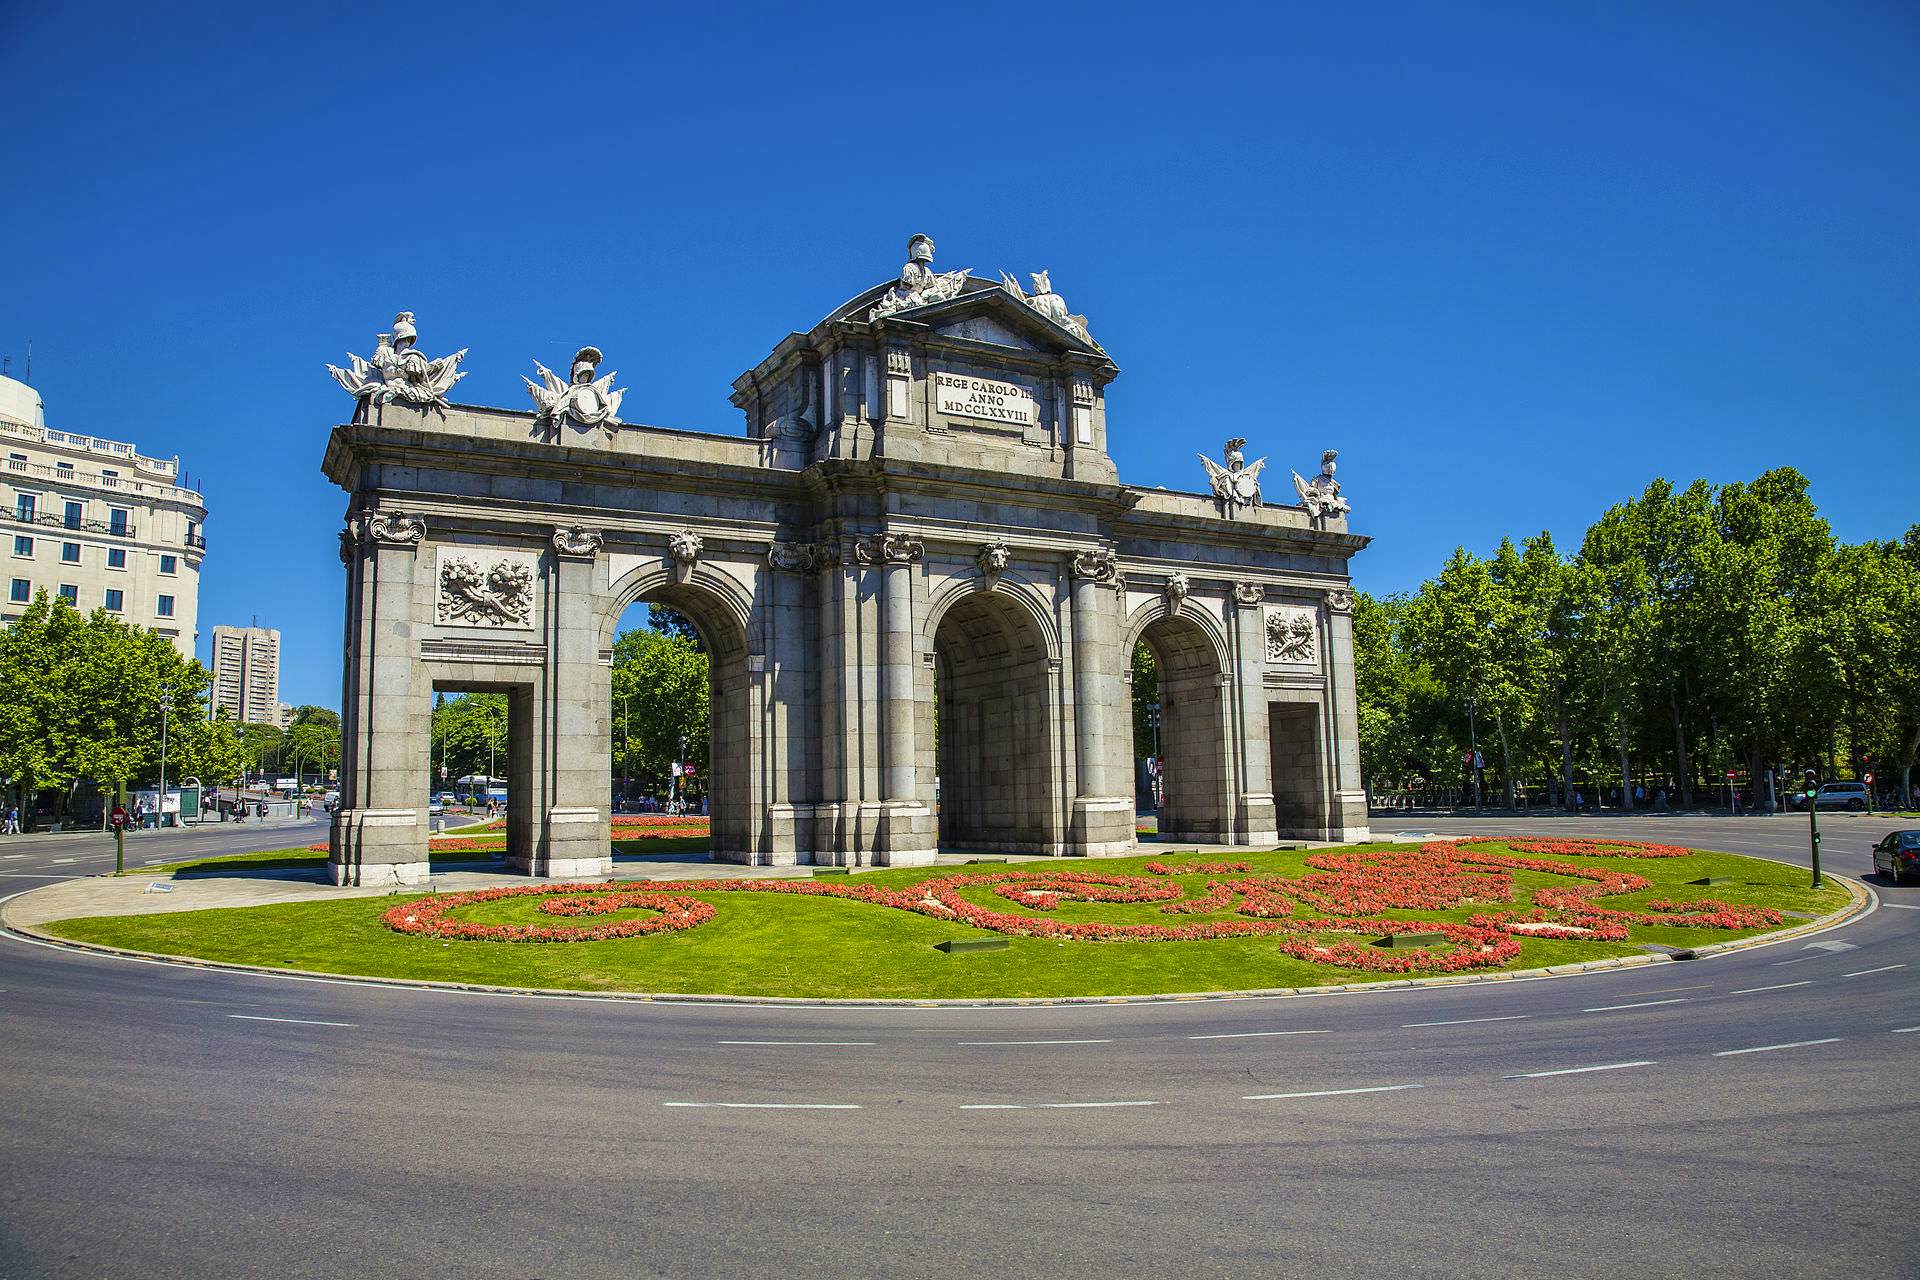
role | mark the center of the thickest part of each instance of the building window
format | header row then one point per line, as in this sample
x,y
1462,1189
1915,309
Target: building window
x,y
22,545
76,512
66,467
23,506
117,519
20,458
116,557
193,538
169,564
114,599
163,607
22,591
69,553
70,593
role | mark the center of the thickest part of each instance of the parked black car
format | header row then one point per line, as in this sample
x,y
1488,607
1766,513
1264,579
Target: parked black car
x,y
1898,856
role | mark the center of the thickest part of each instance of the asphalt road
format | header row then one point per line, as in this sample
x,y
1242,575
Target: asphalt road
x,y
1749,1114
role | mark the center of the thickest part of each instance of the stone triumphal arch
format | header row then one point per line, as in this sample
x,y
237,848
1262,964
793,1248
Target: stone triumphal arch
x,y
917,573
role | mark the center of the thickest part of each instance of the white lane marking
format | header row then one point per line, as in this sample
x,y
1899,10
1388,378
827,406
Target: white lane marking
x,y
1047,1106
789,1044
1901,1031
1328,1093
772,1106
1461,1022
1644,1004
1903,906
62,861
1249,1035
305,1022
983,1042
1778,963
11,856
1861,973
1778,986
1769,1048
1576,1071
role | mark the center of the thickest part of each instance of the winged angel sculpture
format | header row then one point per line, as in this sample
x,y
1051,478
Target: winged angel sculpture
x,y
1236,484
398,371
585,401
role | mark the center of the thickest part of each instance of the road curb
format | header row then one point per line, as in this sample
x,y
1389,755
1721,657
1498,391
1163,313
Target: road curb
x,y
1860,900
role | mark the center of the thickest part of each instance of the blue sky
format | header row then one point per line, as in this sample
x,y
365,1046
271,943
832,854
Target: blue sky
x,y
1512,265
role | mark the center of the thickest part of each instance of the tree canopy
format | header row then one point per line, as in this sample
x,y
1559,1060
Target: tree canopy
x,y
81,706
1697,630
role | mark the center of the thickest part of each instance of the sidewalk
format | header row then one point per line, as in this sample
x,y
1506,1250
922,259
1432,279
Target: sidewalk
x,y
145,833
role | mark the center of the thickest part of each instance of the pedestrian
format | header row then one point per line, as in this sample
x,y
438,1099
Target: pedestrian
x,y
13,820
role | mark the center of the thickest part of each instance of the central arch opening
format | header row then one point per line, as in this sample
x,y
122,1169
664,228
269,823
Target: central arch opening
x,y
680,698
1185,730
993,698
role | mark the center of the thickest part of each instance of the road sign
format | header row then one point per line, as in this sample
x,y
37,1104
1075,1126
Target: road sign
x,y
1466,758
1479,761
686,770
1729,775
1869,779
118,818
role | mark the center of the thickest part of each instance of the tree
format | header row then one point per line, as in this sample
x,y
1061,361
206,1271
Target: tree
x,y
470,736
260,743
80,701
313,738
661,696
669,621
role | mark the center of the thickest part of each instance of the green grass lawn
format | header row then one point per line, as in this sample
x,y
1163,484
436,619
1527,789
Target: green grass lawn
x,y
793,946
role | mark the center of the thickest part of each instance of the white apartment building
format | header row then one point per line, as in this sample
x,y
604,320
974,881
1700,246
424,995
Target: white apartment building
x,y
246,674
98,522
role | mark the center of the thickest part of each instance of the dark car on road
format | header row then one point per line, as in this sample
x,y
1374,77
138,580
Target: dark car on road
x,y
1898,856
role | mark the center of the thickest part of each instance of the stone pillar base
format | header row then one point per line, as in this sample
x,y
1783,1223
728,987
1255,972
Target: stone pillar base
x,y
379,873
1254,820
364,844
886,833
565,868
1101,827
1349,819
572,843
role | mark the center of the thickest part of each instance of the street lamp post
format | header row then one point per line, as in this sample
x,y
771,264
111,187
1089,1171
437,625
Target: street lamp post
x,y
626,746
1473,743
166,705
1813,821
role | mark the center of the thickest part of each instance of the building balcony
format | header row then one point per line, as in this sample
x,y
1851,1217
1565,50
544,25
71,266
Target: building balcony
x,y
140,490
198,541
52,521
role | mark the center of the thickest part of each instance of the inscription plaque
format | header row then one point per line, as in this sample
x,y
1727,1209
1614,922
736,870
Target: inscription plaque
x,y
963,395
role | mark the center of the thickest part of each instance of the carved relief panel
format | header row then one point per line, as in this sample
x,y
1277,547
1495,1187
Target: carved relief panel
x,y
483,587
1293,635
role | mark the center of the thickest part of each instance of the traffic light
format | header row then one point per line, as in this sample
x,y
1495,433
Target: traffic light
x,y
1813,783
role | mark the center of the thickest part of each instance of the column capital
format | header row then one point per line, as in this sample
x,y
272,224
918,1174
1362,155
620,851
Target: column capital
x,y
887,548
394,527
797,557
1099,564
578,540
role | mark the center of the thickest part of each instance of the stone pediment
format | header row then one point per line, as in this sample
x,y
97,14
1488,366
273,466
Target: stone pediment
x,y
982,312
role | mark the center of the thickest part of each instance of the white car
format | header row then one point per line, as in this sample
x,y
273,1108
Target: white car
x,y
1836,795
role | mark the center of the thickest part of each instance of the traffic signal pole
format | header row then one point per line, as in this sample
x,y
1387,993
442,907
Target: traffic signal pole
x,y
1813,822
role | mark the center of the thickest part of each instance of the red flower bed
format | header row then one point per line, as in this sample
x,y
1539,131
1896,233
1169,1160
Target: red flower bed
x,y
427,917
1348,888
